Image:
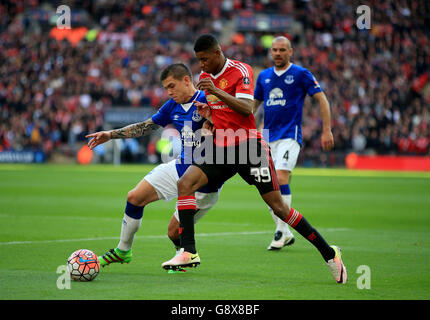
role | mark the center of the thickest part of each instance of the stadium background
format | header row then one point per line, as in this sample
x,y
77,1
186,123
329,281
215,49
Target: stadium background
x,y
58,85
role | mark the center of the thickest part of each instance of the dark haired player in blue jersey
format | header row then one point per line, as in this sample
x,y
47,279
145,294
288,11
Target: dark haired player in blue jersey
x,y
283,89
161,182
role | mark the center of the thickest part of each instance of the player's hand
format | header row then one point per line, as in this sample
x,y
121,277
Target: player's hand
x,y
204,110
207,85
208,128
98,138
327,141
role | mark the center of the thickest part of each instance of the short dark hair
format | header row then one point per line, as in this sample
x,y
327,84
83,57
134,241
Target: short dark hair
x,y
177,70
205,42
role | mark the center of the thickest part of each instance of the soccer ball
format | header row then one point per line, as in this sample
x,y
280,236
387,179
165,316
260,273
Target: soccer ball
x,y
83,265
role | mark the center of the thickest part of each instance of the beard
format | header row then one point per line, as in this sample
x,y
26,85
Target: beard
x,y
280,64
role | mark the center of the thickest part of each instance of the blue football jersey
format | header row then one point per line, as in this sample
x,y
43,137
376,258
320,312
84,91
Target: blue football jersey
x,y
283,98
186,120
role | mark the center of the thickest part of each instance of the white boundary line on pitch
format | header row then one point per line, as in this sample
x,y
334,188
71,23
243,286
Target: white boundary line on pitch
x,y
119,220
153,237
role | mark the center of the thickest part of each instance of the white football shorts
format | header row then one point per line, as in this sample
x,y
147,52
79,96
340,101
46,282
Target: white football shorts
x,y
164,178
285,153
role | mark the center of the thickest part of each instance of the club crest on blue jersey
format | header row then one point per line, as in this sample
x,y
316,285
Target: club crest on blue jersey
x,y
289,79
196,116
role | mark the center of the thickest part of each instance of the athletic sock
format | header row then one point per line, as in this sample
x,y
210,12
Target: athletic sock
x,y
176,243
302,226
286,194
186,210
130,224
286,197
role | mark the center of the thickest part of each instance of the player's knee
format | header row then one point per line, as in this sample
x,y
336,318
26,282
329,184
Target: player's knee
x,y
136,199
185,187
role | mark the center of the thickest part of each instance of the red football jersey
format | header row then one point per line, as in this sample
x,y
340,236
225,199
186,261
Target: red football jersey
x,y
235,78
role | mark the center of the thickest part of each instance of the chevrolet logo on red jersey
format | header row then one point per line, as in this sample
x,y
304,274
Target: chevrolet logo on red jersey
x,y
214,102
212,99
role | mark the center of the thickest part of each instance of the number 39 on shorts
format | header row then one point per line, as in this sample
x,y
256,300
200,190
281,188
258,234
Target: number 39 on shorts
x,y
261,174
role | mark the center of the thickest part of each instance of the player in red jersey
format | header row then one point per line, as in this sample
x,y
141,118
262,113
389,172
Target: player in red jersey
x,y
229,92
235,83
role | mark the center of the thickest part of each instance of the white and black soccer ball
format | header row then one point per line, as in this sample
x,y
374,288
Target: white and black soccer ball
x,y
83,265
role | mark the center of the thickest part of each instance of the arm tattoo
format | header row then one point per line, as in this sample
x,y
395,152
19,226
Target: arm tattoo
x,y
134,130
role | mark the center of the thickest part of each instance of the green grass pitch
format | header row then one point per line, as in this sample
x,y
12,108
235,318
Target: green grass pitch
x,y
380,220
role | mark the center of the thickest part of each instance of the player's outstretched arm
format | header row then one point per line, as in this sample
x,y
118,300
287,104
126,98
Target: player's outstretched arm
x,y
134,130
131,131
327,141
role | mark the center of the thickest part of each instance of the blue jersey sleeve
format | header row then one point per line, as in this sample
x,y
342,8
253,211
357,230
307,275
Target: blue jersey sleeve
x,y
162,117
310,83
202,97
258,92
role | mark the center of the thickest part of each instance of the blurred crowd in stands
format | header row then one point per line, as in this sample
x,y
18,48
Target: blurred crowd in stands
x,y
54,89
